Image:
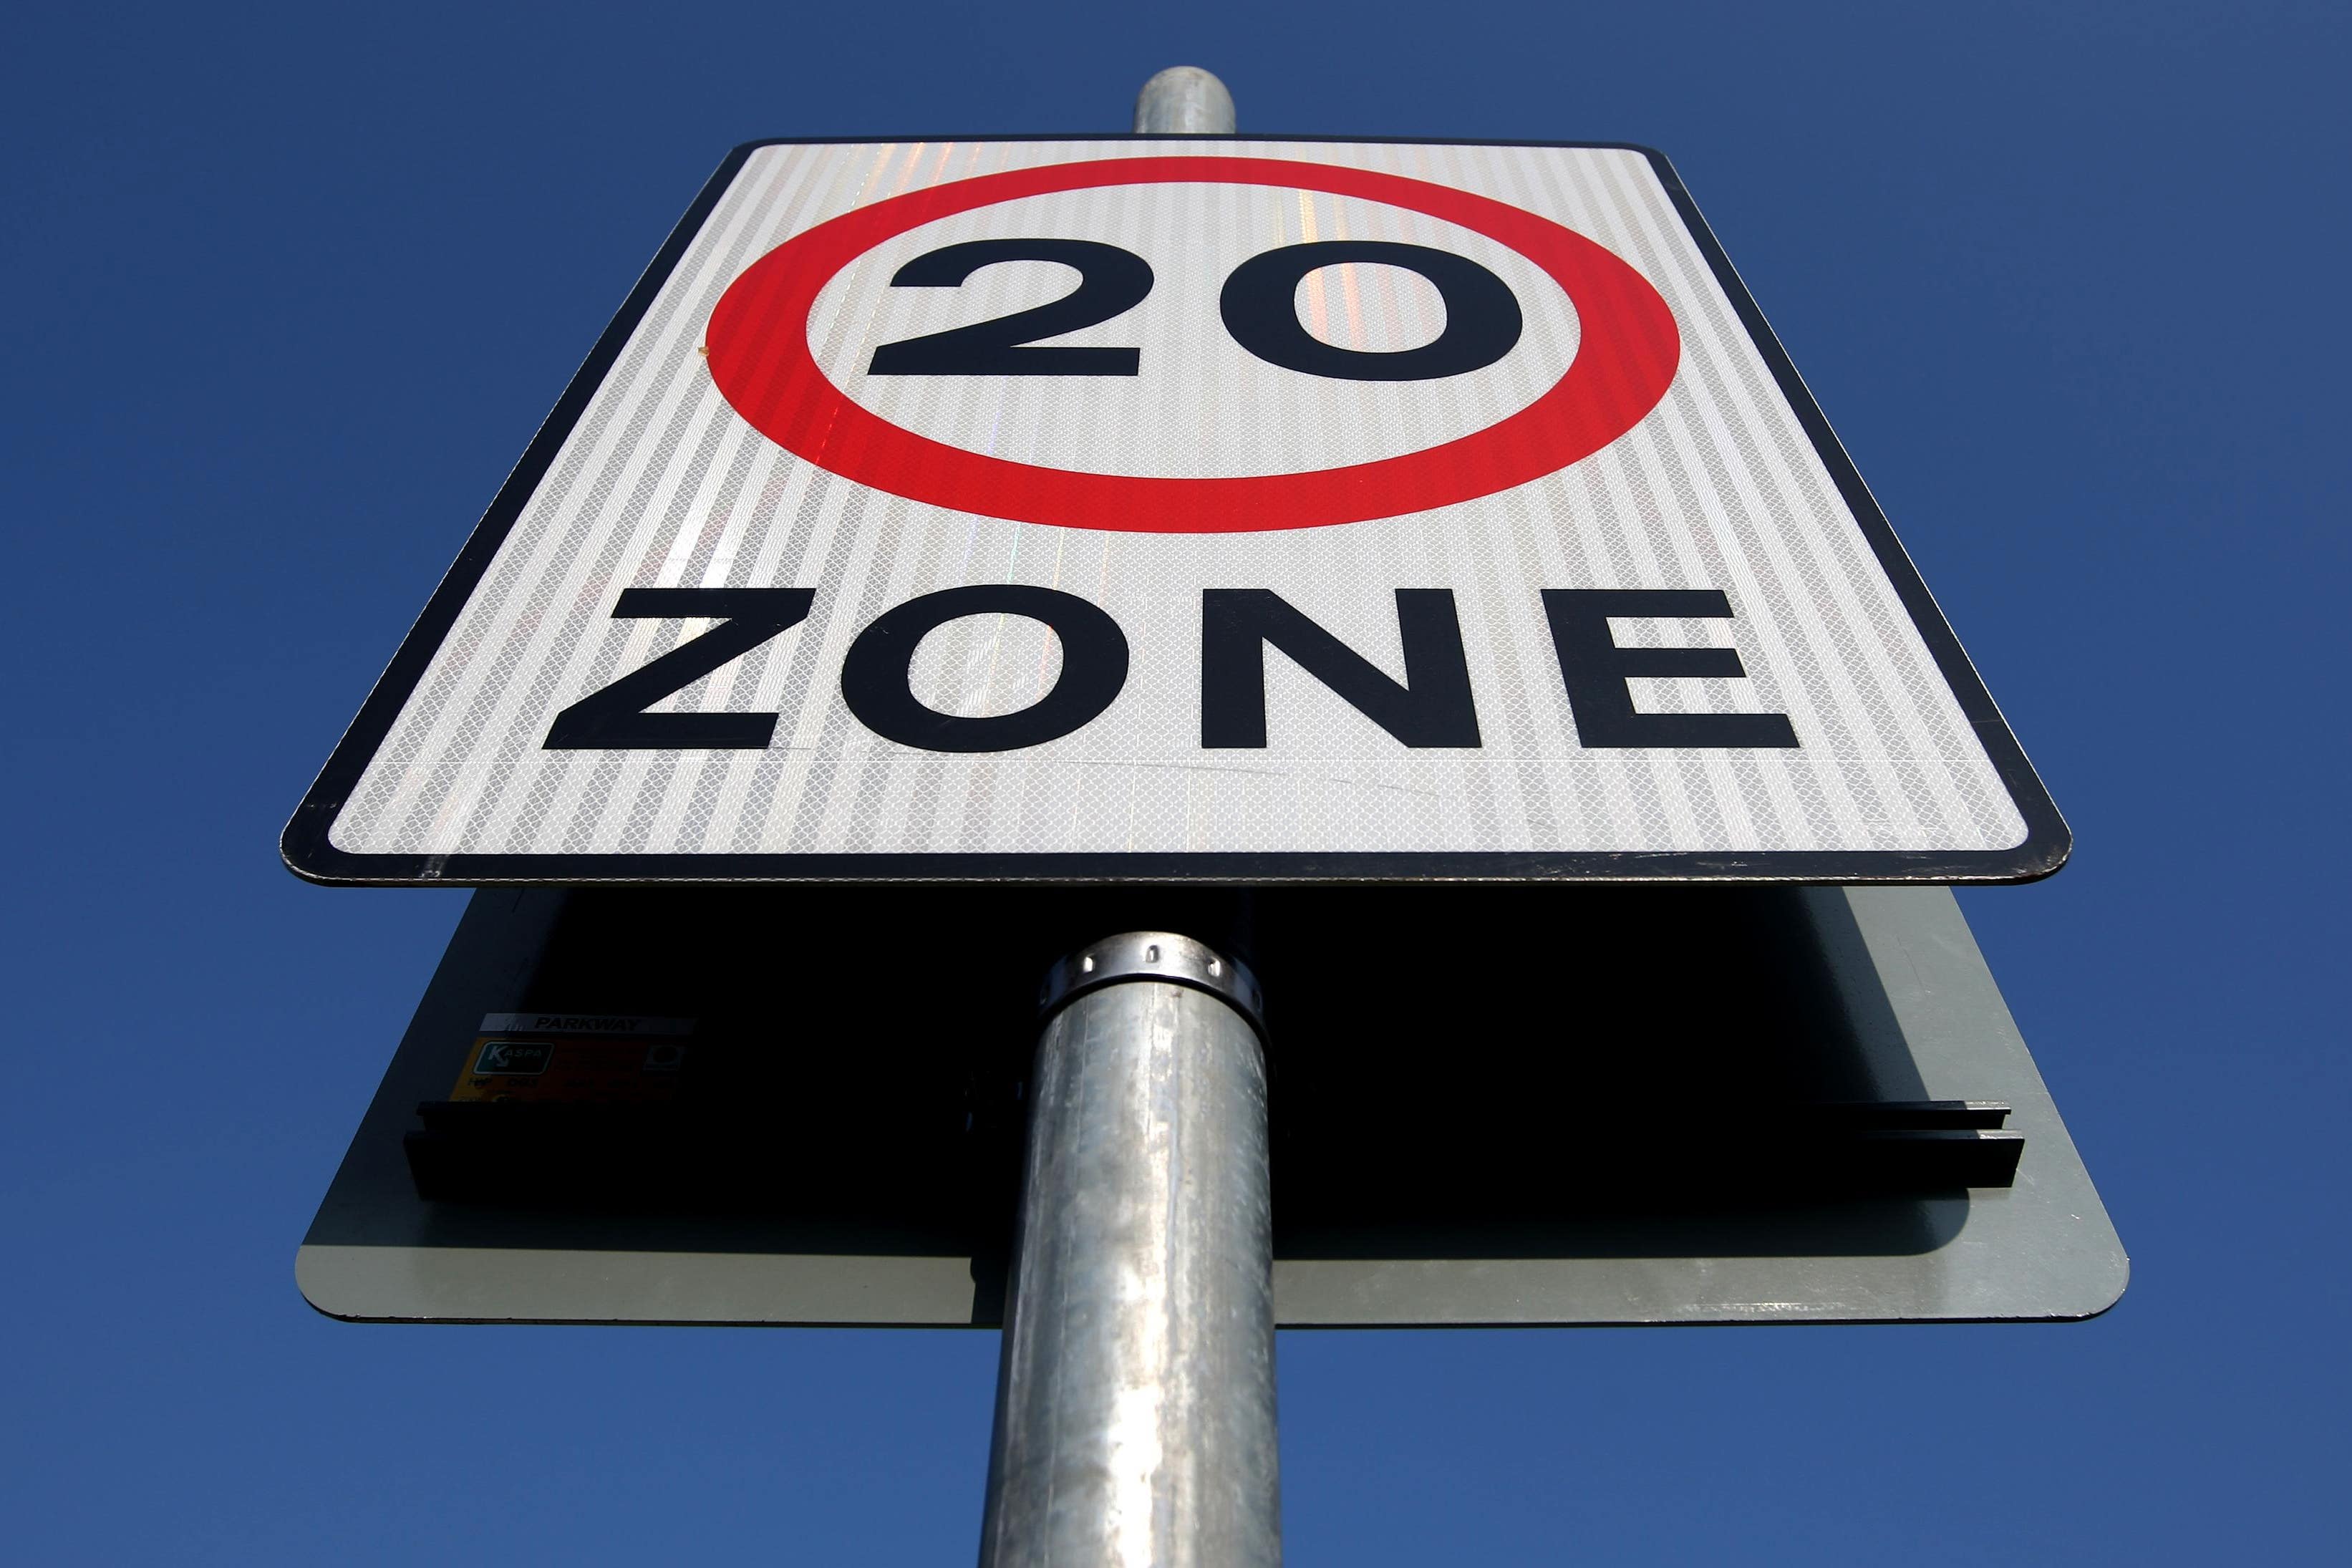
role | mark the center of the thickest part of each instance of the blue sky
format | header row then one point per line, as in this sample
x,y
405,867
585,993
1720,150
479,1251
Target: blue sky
x,y
288,289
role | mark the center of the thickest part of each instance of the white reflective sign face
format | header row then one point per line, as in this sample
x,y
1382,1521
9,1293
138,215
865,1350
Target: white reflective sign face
x,y
1183,508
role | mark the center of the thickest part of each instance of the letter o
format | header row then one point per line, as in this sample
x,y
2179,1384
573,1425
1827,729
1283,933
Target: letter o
x,y
875,678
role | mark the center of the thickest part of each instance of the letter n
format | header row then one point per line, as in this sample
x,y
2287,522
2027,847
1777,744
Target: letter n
x,y
1431,708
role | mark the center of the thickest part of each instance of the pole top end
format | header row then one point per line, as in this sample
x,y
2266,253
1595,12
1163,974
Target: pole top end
x,y
1185,100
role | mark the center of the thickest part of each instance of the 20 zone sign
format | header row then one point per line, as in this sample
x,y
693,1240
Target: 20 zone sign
x,y
1182,509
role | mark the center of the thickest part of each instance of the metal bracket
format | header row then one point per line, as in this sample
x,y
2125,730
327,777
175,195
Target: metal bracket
x,y
1154,955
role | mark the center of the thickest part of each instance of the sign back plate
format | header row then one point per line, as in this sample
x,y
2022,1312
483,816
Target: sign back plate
x,y
1581,1152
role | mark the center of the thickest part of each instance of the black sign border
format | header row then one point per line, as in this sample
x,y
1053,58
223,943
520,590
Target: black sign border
x,y
310,853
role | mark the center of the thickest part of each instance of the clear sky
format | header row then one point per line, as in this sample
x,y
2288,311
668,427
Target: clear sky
x,y
290,287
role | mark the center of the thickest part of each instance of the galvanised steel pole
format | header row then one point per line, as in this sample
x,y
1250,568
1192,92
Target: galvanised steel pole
x,y
1134,1421
1135,1415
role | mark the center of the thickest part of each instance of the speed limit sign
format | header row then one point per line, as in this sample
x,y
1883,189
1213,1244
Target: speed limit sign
x,y
1191,508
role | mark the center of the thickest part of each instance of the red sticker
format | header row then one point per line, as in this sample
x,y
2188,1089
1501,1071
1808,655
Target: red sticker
x,y
1626,356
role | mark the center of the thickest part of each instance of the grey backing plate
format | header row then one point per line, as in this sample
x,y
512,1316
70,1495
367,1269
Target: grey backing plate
x,y
1924,1009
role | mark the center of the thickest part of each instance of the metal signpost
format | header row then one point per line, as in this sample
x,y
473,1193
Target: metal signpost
x,y
1059,583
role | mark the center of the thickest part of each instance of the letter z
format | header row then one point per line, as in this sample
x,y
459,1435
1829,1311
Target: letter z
x,y
614,719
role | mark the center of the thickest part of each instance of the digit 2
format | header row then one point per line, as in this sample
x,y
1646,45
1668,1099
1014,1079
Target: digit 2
x,y
1111,283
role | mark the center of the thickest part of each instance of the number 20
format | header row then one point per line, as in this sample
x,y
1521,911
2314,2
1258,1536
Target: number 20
x,y
1259,306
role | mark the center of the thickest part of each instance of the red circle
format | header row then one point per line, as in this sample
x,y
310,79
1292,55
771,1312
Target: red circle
x,y
1626,357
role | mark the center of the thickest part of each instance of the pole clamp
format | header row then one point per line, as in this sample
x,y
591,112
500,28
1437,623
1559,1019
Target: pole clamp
x,y
1153,955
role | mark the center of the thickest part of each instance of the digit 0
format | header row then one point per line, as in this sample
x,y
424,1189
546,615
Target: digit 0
x,y
1260,305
